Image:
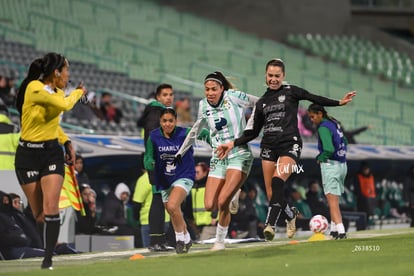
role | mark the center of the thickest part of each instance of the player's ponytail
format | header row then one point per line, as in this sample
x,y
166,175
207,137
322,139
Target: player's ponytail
x,y
315,108
39,69
34,73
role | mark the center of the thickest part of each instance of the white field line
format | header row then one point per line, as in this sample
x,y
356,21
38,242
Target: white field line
x,y
146,253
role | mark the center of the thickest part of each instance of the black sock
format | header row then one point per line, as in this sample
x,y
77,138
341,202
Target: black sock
x,y
273,214
277,202
51,234
40,230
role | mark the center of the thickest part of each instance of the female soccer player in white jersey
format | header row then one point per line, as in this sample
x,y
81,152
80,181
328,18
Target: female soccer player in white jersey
x,y
222,112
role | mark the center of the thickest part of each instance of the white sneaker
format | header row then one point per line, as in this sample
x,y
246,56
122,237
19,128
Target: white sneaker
x,y
234,203
218,246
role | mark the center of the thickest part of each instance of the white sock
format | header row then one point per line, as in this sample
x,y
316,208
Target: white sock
x,y
333,227
341,228
221,233
179,236
187,238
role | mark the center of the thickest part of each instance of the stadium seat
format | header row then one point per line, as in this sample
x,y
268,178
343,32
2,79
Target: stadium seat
x,y
135,40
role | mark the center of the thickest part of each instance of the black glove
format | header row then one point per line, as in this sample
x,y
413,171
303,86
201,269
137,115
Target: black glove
x,y
178,160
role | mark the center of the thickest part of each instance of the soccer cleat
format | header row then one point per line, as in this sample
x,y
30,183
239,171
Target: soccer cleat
x,y
291,224
179,247
341,236
47,264
334,234
234,203
218,246
182,247
188,245
269,233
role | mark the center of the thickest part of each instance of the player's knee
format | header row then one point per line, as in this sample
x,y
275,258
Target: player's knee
x,y
223,204
171,208
209,206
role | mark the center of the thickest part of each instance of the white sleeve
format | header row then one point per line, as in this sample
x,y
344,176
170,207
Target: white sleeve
x,y
191,137
252,100
242,99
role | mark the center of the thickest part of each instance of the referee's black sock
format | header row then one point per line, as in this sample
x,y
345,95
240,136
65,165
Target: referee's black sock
x,y
40,227
277,202
51,234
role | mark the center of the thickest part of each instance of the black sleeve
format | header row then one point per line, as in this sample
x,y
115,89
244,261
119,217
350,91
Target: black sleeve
x,y
141,120
356,131
303,94
29,229
136,208
113,213
253,127
11,235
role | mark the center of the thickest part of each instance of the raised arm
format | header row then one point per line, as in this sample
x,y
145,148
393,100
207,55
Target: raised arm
x,y
42,97
190,139
303,94
347,98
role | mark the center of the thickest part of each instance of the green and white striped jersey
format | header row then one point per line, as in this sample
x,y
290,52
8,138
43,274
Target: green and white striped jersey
x,y
226,121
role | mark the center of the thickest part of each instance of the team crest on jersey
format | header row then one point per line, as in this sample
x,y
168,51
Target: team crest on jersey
x,y
226,104
282,98
265,153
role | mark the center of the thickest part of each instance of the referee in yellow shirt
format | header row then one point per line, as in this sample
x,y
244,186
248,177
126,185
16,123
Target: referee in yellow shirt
x,y
40,157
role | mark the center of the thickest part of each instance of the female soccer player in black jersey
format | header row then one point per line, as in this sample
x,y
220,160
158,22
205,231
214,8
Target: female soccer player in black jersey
x,y
276,113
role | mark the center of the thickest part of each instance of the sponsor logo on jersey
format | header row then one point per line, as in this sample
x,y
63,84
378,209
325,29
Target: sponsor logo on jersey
x,y
220,123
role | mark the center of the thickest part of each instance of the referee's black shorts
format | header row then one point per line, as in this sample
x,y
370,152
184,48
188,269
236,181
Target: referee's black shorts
x,y
37,159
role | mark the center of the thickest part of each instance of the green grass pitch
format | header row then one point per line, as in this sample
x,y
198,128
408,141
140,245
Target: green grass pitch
x,y
379,252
